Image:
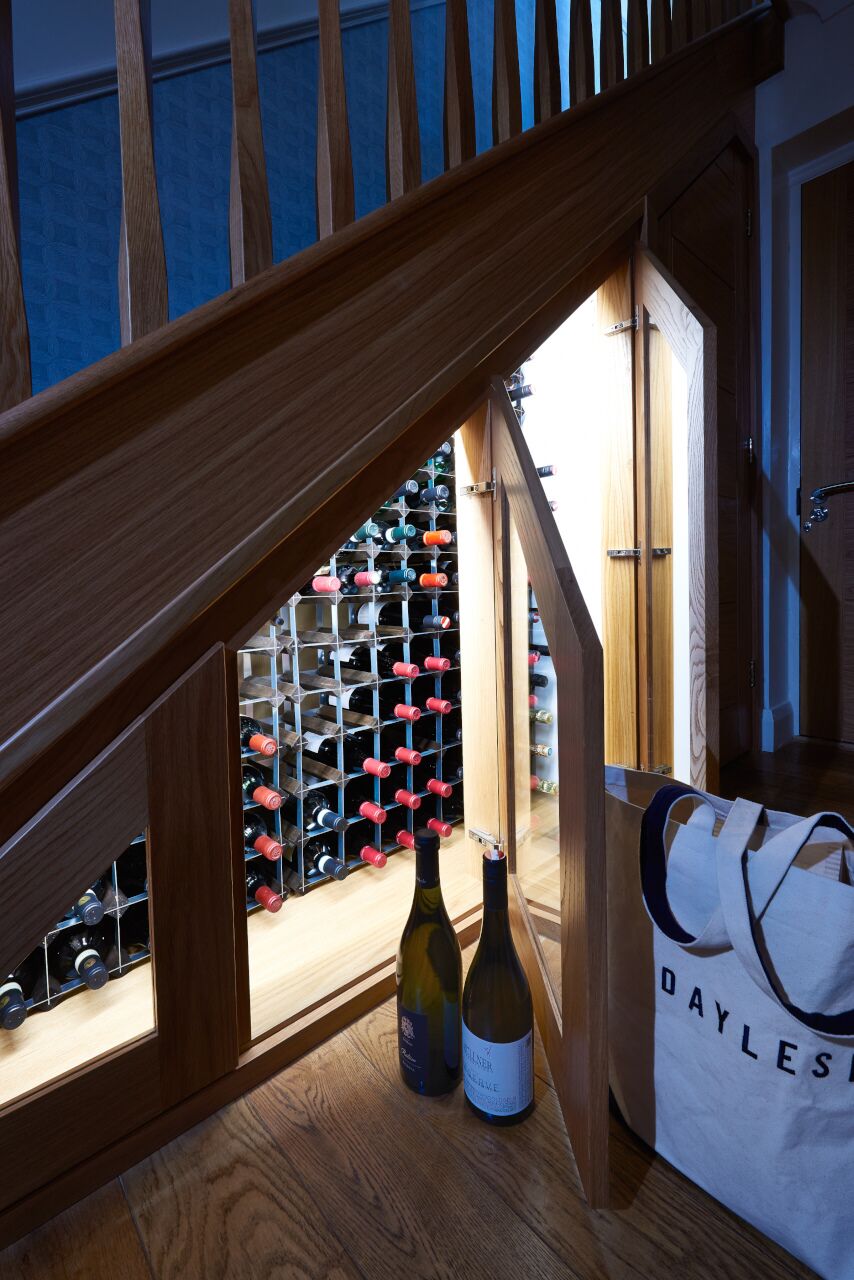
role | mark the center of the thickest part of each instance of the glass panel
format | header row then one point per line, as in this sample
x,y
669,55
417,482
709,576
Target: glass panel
x,y
355,684
64,1005
535,760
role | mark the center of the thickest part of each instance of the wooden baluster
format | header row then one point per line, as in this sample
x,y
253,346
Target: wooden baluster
x,y
143,297
582,76
459,131
700,22
506,87
681,25
335,198
661,30
546,61
611,68
402,136
250,226
637,36
15,380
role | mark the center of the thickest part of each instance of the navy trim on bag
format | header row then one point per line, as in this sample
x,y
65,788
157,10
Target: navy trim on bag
x,y
653,860
653,872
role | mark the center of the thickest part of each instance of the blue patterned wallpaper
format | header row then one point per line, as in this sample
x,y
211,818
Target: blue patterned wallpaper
x,y
70,173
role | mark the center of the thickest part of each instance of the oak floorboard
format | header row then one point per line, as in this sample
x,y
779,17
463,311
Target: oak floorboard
x,y
93,1240
224,1201
402,1205
660,1224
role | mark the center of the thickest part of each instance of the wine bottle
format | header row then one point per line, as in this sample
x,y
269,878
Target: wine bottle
x,y
132,870
390,660
541,717
540,749
407,490
253,738
356,757
322,855
424,779
433,581
321,584
359,799
440,828
543,785
358,845
421,651
390,701
441,459
393,534
366,532
533,616
538,681
257,838
448,566
315,809
89,907
548,470
15,990
355,578
438,538
498,1016
396,577
429,982
433,493
256,790
258,889
78,953
405,838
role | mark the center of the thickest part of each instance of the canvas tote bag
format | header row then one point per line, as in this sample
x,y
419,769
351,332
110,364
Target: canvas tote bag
x,y
731,1004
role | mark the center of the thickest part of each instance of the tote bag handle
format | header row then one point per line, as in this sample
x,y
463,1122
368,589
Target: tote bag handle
x,y
744,900
653,868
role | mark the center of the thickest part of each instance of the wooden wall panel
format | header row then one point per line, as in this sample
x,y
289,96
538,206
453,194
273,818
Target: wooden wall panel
x,y
403,138
15,381
143,512
143,299
249,222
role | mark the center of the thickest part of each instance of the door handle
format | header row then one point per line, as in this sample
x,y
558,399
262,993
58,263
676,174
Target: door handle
x,y
818,497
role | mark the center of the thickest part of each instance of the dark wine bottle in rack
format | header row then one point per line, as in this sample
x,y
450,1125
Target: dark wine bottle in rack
x,y
321,855
78,954
257,837
260,890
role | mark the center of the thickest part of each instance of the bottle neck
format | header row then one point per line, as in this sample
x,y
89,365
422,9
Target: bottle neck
x,y
495,932
426,869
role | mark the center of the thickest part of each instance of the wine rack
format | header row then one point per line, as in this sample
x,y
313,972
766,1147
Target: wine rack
x,y
111,918
296,681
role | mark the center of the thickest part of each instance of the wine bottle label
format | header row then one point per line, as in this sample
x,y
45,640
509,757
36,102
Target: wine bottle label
x,y
498,1078
413,1039
313,741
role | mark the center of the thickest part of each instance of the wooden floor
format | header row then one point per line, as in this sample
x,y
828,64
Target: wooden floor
x,y
804,777
332,1169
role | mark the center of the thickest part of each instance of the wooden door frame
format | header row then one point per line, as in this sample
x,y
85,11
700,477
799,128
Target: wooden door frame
x,y
693,340
573,1022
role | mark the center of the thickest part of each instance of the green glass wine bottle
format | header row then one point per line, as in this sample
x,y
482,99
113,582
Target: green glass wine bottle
x,y
498,1016
429,982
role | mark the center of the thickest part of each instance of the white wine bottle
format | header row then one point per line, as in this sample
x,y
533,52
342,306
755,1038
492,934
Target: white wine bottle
x,y
429,982
498,1016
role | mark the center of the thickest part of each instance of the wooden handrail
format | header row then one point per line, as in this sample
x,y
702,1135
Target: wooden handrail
x,y
151,487
15,382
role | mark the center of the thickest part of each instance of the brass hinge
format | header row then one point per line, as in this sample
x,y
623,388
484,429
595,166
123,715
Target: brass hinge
x,y
660,552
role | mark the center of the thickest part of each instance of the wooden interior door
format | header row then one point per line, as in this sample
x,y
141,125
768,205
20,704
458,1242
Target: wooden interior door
x,y
676,504
554,835
827,455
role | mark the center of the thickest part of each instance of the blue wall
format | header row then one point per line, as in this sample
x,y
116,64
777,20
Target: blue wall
x,y
71,189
